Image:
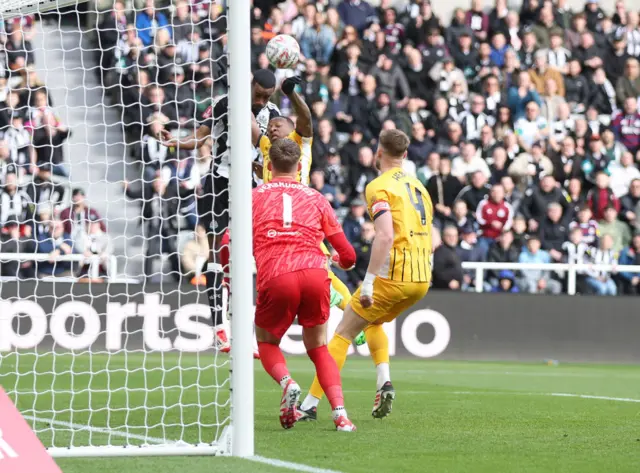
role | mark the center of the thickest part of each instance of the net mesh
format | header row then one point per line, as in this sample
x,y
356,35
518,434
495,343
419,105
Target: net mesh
x,y
105,331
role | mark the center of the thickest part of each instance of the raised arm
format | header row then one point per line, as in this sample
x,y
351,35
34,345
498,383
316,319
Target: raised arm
x,y
193,141
300,108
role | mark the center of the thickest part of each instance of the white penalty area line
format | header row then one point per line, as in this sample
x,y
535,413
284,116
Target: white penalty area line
x,y
289,465
488,393
158,441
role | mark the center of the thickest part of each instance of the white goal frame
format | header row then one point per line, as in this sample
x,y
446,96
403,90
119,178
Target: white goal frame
x,y
237,438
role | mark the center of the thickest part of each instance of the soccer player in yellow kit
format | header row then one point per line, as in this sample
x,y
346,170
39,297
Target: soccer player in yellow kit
x,y
399,272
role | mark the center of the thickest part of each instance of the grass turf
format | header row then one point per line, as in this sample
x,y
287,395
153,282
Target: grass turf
x,y
448,416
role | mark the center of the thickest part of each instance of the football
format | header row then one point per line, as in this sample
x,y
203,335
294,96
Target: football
x,y
283,51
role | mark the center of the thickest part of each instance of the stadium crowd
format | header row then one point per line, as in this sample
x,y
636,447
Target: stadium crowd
x,y
38,214
524,124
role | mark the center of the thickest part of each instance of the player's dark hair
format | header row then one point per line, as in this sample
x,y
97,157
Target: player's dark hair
x,y
284,154
264,78
394,142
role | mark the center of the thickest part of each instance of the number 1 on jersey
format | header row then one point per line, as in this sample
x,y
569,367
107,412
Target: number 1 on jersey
x,y
287,211
417,202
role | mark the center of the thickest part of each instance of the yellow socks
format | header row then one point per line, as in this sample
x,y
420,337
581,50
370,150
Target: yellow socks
x,y
378,343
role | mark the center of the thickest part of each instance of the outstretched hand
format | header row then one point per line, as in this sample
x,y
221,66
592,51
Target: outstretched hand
x,y
289,84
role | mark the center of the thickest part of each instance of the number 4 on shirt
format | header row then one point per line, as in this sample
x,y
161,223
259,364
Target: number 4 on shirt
x,y
417,202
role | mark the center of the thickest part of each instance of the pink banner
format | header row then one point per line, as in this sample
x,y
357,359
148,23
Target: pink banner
x,y
20,449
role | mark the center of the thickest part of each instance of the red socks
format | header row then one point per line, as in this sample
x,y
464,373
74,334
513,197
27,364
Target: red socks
x,y
224,256
328,375
273,361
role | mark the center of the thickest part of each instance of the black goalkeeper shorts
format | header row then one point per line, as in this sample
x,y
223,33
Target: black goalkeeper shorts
x,y
213,204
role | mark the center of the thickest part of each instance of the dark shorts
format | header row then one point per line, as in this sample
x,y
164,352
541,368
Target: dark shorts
x,y
213,204
304,293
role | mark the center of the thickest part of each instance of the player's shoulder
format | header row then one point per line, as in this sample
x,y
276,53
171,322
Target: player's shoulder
x,y
218,108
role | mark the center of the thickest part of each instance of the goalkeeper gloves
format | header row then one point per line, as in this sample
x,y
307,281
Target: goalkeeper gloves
x,y
289,84
336,298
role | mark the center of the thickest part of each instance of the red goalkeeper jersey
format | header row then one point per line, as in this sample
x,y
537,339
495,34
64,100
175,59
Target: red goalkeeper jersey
x,y
290,220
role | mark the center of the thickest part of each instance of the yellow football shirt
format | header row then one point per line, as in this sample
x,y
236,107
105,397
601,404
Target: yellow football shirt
x,y
412,211
305,156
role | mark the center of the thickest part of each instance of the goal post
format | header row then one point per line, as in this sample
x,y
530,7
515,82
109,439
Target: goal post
x,y
241,227
170,394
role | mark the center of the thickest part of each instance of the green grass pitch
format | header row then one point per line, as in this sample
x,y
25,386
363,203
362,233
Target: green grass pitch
x,y
448,416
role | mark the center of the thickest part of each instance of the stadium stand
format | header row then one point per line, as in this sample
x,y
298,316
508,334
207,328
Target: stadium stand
x,y
524,125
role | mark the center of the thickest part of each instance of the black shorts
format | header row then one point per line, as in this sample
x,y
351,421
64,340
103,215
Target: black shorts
x,y
213,204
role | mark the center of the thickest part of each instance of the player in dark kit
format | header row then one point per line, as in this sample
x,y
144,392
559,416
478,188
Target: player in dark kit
x,y
289,222
213,203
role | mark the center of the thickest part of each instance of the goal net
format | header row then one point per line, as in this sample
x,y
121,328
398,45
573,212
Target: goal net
x,y
106,337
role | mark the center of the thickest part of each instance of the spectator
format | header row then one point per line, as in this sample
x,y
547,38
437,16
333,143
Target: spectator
x,y
519,229
421,146
474,120
443,189
21,148
477,20
503,250
318,39
390,79
553,104
469,251
48,141
612,148
469,163
529,168
149,21
622,174
553,232
521,95
626,125
475,192
363,252
95,244
447,267
602,96
576,87
566,162
601,196
55,242
542,73
535,281
13,242
629,203
631,256
506,282
357,13
431,168
617,230
352,224
588,226
77,218
361,175
15,203
325,141
558,56
601,281
43,191
159,222
318,183
537,199
417,73
629,84
495,216
532,127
